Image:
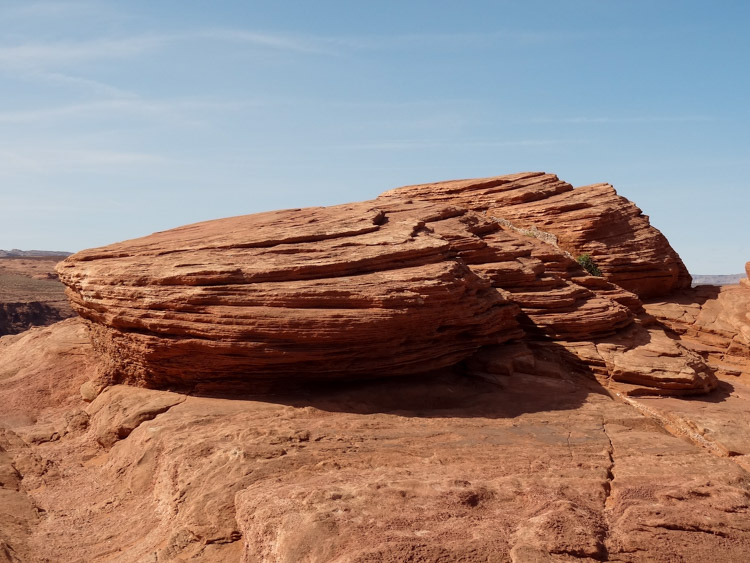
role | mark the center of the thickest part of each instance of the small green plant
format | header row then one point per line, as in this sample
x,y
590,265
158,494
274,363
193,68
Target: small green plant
x,y
588,264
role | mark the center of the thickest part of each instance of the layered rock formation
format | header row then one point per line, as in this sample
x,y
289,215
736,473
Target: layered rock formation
x,y
318,292
589,219
713,321
321,292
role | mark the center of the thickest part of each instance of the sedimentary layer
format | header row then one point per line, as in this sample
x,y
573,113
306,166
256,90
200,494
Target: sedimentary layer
x,y
714,321
593,219
299,293
418,279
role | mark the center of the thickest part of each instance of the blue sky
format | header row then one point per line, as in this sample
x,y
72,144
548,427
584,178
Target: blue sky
x,y
123,118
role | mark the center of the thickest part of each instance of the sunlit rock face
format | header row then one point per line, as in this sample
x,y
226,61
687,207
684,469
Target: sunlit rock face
x,y
590,219
421,278
714,321
344,291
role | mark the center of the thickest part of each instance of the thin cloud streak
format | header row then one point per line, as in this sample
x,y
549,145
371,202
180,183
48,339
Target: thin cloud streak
x,y
431,144
452,40
38,55
625,120
88,84
61,160
41,55
133,106
282,42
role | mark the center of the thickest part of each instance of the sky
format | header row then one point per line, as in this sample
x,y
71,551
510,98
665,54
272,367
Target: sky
x,y
119,119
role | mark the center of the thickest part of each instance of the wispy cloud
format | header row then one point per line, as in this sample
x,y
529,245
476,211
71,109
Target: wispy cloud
x,y
448,40
419,144
341,44
89,85
625,120
42,160
130,106
307,44
42,55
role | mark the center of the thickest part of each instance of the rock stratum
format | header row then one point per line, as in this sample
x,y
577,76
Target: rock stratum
x,y
714,322
429,274
428,376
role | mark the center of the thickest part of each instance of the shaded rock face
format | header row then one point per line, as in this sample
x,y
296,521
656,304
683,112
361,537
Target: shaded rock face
x,y
419,279
18,317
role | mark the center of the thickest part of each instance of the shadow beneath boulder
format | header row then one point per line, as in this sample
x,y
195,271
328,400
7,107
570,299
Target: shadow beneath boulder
x,y
697,295
545,376
723,391
460,391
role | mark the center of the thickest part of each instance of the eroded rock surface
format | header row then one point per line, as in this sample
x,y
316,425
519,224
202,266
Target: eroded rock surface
x,y
713,321
427,468
344,291
590,219
429,274
537,434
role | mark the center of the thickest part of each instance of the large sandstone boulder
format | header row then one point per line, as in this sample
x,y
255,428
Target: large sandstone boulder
x,y
419,279
319,292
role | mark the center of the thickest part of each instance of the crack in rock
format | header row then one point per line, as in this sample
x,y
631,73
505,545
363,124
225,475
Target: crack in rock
x,y
607,485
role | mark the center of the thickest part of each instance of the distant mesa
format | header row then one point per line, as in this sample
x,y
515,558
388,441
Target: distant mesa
x,y
730,279
478,273
16,253
30,292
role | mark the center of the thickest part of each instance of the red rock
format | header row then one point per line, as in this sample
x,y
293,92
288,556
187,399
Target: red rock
x,y
423,468
643,359
321,292
300,293
26,399
17,511
590,219
713,321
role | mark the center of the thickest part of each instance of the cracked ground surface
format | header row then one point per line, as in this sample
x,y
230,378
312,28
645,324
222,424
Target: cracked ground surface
x,y
444,468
